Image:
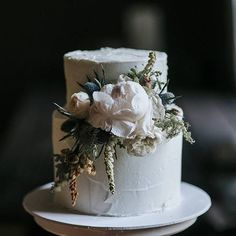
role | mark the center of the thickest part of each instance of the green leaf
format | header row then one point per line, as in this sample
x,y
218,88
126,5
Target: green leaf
x,y
70,125
64,112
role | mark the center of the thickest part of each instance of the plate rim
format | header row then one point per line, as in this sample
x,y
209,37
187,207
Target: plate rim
x,y
171,222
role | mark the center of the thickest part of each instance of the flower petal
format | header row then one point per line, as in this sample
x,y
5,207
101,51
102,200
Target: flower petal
x,y
104,100
139,105
81,96
97,118
108,88
122,128
79,105
145,125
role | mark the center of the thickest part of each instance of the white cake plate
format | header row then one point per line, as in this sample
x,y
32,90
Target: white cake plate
x,y
55,219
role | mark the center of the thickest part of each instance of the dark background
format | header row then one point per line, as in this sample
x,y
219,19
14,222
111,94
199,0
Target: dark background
x,y
198,38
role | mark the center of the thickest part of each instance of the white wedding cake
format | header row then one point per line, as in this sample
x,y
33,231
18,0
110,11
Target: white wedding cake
x,y
121,151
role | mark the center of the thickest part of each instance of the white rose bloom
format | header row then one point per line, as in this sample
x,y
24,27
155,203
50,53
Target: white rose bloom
x,y
124,109
79,105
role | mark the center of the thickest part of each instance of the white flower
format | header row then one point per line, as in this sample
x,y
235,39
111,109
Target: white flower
x,y
140,146
124,109
79,105
158,108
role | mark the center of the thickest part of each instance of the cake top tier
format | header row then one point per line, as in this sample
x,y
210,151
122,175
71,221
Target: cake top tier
x,y
113,55
79,65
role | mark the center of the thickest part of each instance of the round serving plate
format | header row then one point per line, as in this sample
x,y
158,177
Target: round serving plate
x,y
39,203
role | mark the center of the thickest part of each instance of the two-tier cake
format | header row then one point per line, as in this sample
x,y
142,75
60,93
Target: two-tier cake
x,y
117,142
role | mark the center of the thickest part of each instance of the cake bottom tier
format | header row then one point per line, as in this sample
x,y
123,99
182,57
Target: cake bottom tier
x,y
143,184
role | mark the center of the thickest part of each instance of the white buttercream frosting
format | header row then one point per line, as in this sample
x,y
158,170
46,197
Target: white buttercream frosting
x,y
111,55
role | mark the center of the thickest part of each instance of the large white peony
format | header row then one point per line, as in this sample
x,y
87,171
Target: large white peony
x,y
124,109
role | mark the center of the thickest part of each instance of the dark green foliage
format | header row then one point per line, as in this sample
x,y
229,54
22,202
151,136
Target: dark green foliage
x,y
70,125
87,140
168,98
165,86
64,112
66,163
